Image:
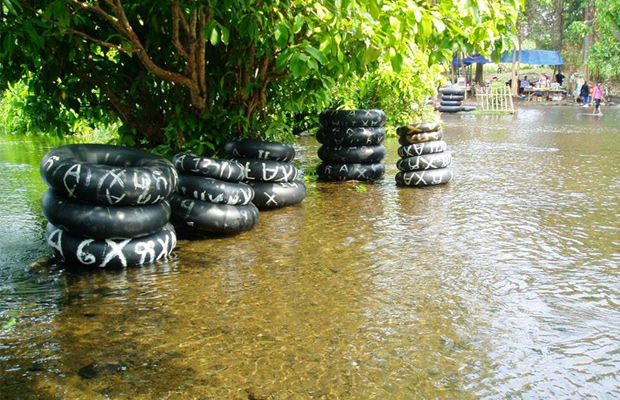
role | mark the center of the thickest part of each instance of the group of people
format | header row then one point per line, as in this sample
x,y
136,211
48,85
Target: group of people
x,y
577,86
587,92
544,81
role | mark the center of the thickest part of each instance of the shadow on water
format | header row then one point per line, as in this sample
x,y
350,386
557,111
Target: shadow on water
x,y
502,284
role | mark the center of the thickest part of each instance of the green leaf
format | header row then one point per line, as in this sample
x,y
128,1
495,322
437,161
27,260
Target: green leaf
x,y
317,54
397,62
284,58
281,34
214,37
394,23
225,34
374,9
325,45
439,25
298,24
312,64
13,7
371,54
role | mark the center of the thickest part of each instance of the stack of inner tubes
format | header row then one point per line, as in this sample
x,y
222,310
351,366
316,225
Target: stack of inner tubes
x,y
351,145
451,99
268,169
106,205
423,157
210,196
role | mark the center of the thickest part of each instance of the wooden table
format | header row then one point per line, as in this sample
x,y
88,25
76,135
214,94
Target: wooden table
x,y
548,93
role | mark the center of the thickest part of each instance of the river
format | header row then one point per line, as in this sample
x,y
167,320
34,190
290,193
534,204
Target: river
x,y
503,284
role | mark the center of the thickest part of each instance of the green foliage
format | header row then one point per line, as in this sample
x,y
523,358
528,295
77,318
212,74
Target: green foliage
x,y
604,55
11,322
190,74
360,188
23,112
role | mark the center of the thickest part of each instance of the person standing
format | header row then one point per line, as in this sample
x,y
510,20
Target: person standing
x,y
543,81
559,77
524,85
585,93
572,80
598,97
580,82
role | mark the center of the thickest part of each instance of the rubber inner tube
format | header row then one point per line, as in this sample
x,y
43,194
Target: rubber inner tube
x,y
450,103
449,109
111,253
426,161
350,172
419,127
453,90
424,178
273,195
354,118
100,221
260,149
420,138
417,149
452,97
212,217
214,190
349,136
268,170
106,174
225,170
352,155
468,108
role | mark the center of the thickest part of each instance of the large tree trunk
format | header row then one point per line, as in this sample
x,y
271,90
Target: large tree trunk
x,y
589,13
479,79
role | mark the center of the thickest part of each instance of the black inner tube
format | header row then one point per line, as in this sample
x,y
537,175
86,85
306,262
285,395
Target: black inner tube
x,y
350,136
108,174
350,172
352,154
212,217
268,170
214,190
225,170
425,161
424,178
101,221
111,253
420,138
417,149
260,149
272,195
370,118
420,127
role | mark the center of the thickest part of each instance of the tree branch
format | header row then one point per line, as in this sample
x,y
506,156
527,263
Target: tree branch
x,y
123,26
176,16
202,50
94,40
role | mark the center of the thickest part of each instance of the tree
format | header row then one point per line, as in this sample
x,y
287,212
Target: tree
x,y
190,74
604,56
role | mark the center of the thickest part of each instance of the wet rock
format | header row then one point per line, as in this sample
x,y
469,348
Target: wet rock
x,y
95,370
255,394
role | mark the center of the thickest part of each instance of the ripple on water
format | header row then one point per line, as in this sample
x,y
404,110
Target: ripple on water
x,y
502,284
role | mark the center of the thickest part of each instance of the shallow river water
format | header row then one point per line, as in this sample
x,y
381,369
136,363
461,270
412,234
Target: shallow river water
x,y
504,284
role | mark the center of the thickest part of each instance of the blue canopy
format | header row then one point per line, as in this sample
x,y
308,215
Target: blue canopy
x,y
535,57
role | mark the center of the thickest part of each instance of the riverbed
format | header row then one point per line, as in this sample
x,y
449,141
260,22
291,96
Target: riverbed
x,y
504,283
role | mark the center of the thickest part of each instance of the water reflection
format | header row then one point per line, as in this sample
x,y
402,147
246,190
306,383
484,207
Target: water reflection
x,y
502,284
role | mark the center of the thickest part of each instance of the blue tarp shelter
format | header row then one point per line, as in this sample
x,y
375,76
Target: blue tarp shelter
x,y
534,57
